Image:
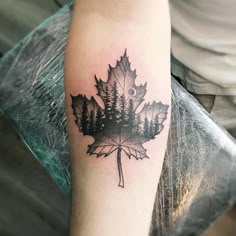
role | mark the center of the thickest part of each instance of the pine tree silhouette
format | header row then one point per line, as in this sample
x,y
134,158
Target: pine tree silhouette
x,y
123,114
91,122
114,101
99,125
107,110
131,115
138,125
151,129
84,117
156,124
146,127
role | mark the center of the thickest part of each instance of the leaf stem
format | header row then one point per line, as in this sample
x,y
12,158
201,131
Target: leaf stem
x,y
119,165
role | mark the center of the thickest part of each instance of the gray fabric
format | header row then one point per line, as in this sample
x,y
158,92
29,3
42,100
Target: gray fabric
x,y
222,109
203,39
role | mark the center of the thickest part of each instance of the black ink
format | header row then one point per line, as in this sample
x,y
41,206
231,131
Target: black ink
x,y
118,127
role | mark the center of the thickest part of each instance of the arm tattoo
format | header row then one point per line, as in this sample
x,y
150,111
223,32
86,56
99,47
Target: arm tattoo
x,y
118,127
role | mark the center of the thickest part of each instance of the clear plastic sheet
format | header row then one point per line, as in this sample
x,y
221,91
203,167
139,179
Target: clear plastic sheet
x,y
198,181
32,94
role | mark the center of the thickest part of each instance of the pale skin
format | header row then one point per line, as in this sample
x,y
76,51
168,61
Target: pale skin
x,y
100,32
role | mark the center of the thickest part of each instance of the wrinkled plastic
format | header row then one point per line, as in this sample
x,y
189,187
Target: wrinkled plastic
x,y
32,94
198,181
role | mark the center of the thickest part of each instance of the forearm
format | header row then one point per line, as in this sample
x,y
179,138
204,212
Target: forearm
x,y
100,34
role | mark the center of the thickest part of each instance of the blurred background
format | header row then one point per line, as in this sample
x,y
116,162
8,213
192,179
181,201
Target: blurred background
x,y
30,202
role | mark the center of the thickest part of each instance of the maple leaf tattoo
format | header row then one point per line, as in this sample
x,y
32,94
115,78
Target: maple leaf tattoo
x,y
118,127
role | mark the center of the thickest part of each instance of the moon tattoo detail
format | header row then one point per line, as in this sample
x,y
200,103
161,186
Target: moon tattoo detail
x,y
132,92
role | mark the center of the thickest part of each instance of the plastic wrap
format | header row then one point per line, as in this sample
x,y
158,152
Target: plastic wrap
x,y
198,181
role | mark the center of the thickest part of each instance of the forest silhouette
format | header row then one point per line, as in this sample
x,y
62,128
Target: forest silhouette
x,y
118,114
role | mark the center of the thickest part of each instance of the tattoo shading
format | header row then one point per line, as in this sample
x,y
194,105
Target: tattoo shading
x,y
118,127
